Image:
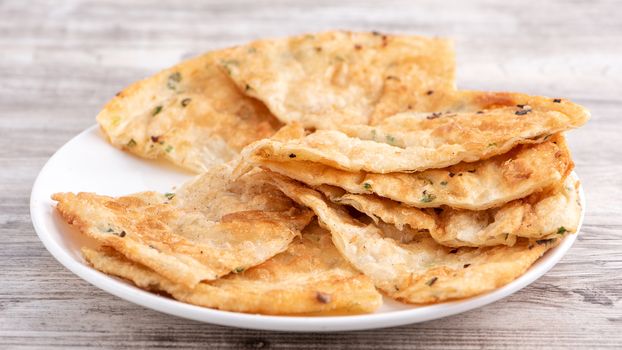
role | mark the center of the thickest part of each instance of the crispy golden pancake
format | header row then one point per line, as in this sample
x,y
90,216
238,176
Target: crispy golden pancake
x,y
475,186
191,114
411,142
421,270
309,277
543,215
444,103
333,78
190,239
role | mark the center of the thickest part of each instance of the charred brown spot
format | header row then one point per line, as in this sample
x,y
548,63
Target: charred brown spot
x,y
557,100
453,251
466,265
522,111
429,92
385,40
431,281
358,47
323,298
433,116
292,155
155,138
546,241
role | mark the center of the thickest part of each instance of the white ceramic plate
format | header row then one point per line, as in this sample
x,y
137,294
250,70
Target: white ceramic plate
x,y
88,163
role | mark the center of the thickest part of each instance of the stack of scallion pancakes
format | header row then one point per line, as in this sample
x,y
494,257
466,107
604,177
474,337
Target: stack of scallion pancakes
x,y
332,169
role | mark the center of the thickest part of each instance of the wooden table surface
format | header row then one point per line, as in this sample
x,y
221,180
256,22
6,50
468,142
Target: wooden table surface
x,y
60,61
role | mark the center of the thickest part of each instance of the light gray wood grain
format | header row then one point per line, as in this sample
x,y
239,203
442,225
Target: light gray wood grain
x,y
61,60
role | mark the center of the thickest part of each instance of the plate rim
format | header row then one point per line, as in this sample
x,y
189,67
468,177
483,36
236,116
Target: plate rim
x,y
128,292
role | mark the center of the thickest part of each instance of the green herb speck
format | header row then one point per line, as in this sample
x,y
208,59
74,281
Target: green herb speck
x,y
367,186
131,143
390,139
173,80
561,230
227,64
168,149
427,197
176,77
238,269
443,183
169,195
156,111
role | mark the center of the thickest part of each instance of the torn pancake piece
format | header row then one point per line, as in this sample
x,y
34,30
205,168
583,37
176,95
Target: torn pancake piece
x,y
184,240
411,142
310,277
334,78
420,271
214,194
191,115
475,186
